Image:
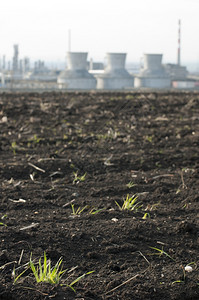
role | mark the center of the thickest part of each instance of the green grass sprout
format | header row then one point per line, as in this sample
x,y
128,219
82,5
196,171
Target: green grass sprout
x,y
78,211
77,280
16,278
14,147
160,252
146,215
2,218
130,184
94,211
130,203
184,277
77,178
45,273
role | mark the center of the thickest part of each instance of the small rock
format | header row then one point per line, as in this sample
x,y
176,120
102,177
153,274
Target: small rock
x,y
188,269
114,219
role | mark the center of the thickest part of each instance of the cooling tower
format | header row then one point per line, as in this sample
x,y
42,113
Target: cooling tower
x,y
76,75
153,74
115,76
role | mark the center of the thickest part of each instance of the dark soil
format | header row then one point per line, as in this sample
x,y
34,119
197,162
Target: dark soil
x,y
142,144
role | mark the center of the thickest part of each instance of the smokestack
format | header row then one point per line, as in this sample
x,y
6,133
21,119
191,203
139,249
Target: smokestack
x,y
179,41
69,40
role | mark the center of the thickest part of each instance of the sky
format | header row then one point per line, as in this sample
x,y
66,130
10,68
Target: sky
x,y
41,28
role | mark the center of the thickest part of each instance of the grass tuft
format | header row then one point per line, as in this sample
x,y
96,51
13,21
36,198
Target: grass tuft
x,y
45,273
130,203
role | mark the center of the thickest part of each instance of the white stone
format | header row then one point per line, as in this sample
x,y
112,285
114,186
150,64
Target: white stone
x,y
188,269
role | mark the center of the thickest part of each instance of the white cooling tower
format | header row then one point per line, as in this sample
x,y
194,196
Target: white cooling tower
x,y
115,75
76,75
153,74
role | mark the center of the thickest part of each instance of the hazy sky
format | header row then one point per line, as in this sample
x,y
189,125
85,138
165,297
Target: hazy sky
x,y
40,27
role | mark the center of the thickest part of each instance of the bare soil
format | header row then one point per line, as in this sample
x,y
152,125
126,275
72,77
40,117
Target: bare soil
x,y
91,150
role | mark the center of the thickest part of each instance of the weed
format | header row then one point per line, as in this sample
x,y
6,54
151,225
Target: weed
x,y
184,277
149,138
14,147
94,211
77,280
77,178
2,218
36,139
146,215
160,252
16,278
110,135
130,203
188,268
152,207
78,211
130,184
130,97
45,273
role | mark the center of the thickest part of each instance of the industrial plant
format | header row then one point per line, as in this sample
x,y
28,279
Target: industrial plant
x,y
81,74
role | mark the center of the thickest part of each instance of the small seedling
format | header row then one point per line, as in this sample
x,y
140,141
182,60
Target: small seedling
x,y
78,211
94,211
16,278
14,147
130,184
77,280
160,252
149,138
184,277
2,218
130,203
146,215
36,139
77,178
152,207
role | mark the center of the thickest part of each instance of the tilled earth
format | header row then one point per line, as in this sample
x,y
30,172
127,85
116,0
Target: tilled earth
x,y
67,163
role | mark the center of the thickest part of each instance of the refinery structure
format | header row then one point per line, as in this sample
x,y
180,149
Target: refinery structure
x,y
81,74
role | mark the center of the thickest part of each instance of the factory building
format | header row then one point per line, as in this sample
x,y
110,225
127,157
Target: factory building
x,y
115,75
76,76
176,72
153,74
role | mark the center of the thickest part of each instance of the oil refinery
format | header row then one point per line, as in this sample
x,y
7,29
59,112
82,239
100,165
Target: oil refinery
x,y
81,74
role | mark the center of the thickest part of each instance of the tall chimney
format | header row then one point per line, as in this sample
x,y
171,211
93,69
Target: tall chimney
x,y
69,40
179,42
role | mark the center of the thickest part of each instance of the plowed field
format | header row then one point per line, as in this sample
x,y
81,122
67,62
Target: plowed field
x,y
69,163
